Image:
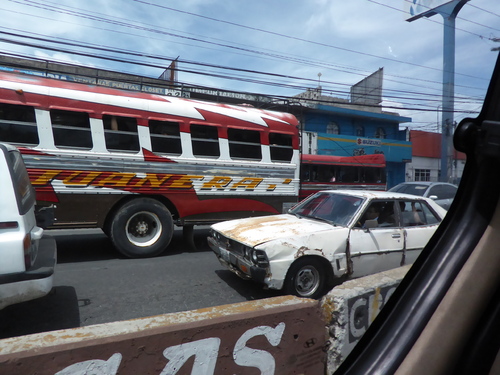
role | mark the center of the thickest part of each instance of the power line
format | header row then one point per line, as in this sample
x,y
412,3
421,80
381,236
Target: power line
x,y
309,62
156,30
396,93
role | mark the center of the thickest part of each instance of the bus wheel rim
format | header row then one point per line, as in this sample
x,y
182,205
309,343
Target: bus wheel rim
x,y
143,228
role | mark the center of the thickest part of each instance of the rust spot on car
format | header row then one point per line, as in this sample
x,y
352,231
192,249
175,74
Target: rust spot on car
x,y
302,250
255,223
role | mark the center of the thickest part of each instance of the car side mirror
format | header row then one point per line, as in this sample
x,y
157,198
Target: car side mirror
x,y
369,224
433,197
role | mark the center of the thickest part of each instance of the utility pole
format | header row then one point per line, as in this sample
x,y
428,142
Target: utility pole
x,y
448,11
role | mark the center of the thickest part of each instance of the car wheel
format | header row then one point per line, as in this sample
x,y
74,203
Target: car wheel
x,y
142,227
306,278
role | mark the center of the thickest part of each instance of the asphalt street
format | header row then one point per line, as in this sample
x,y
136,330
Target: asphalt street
x,y
94,284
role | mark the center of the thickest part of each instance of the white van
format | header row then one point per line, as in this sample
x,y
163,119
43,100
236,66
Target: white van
x,y
27,261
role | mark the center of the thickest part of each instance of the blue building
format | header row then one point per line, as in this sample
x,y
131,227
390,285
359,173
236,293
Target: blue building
x,y
347,129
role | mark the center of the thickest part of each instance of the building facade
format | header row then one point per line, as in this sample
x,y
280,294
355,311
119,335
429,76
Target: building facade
x,y
426,159
340,127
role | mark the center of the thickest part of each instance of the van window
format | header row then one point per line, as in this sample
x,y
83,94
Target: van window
x,y
18,125
71,129
25,194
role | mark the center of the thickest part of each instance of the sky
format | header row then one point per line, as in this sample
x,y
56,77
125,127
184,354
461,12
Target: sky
x,y
271,47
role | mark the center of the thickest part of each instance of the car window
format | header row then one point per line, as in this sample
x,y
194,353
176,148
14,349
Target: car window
x,y
413,189
443,191
382,211
336,208
415,213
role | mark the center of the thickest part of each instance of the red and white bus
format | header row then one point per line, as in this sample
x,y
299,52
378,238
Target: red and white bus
x,y
135,164
323,172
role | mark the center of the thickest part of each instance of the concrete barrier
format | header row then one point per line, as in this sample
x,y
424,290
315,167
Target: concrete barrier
x,y
351,307
282,335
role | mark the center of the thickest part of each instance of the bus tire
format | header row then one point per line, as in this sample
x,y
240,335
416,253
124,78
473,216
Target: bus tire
x,y
142,227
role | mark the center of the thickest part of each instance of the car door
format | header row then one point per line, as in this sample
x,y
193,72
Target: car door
x,y
419,223
380,248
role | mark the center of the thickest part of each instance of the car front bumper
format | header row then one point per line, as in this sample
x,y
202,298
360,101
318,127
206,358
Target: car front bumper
x,y
238,265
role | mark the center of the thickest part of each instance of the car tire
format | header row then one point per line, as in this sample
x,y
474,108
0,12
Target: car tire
x,y
306,278
141,228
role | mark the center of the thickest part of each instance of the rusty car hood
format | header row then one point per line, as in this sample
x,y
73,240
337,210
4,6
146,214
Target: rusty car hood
x,y
257,230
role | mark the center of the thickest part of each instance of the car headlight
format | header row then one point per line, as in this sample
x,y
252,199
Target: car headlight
x,y
259,258
247,252
215,235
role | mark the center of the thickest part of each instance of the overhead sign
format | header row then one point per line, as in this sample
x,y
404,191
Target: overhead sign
x,y
422,8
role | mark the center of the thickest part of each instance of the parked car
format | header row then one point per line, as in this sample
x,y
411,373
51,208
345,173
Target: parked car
x,y
27,259
328,237
441,192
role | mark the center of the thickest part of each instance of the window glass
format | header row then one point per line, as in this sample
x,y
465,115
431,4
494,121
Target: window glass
x,y
422,174
71,129
443,191
281,147
382,211
332,128
319,173
413,189
417,213
372,175
165,137
25,194
205,140
380,133
120,133
349,174
244,144
18,124
338,209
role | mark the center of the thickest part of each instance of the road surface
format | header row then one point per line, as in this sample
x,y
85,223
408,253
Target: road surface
x,y
94,284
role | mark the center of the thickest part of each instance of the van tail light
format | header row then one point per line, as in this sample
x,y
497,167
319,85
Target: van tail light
x,y
27,251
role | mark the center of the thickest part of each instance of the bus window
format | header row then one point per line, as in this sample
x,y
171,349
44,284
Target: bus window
x,y
120,133
281,147
165,137
244,144
18,125
373,175
71,129
349,174
205,140
305,173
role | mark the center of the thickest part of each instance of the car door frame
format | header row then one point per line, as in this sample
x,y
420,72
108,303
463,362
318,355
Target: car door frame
x,y
376,249
416,237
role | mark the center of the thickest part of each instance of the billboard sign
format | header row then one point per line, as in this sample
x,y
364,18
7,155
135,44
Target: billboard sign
x,y
368,91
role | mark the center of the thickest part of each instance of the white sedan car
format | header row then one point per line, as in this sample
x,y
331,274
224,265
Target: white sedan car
x,y
327,238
